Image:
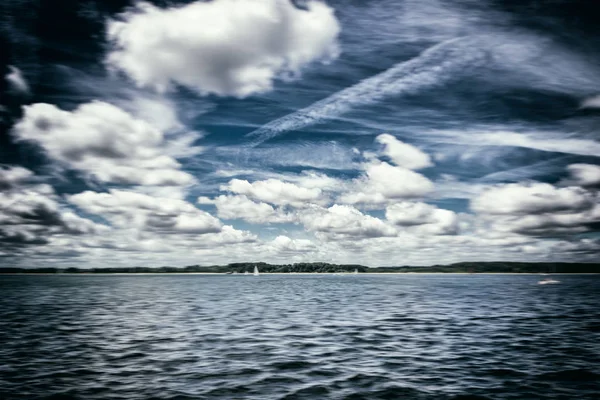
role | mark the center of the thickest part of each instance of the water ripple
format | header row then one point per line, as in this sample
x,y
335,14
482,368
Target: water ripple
x,y
298,337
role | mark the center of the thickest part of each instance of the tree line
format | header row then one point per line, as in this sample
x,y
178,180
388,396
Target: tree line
x,y
321,267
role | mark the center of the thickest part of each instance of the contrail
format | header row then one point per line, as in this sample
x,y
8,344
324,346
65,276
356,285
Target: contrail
x,y
436,65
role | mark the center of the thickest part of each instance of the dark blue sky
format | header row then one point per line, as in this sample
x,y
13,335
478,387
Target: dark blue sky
x,y
382,132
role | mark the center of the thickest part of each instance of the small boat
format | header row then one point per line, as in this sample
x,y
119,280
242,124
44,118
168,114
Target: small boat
x,y
256,271
246,273
548,281
356,271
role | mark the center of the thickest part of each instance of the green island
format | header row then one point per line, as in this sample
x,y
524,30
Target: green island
x,y
320,267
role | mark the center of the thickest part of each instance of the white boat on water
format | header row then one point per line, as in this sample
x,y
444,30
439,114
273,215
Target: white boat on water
x,y
256,271
548,281
356,271
246,273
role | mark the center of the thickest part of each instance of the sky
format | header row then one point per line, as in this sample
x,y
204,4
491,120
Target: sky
x,y
379,132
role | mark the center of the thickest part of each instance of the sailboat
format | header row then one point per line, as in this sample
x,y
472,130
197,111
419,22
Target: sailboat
x,y
356,271
256,271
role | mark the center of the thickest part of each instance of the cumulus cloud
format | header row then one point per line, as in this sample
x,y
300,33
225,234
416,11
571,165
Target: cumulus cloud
x,y
126,209
222,47
591,102
403,154
241,207
16,81
538,209
382,183
425,217
344,221
284,244
275,191
31,213
12,176
586,175
104,142
534,198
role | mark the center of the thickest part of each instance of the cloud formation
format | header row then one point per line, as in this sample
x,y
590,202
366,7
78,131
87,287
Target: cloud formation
x,y
342,221
437,65
225,47
31,214
539,209
16,81
591,102
274,191
243,208
126,209
586,175
104,142
382,183
425,217
403,154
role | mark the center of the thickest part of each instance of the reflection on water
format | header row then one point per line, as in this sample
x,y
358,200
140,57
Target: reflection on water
x,y
299,337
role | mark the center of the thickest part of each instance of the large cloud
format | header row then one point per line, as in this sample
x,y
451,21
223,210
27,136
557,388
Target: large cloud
x,y
341,221
422,217
586,175
534,198
126,209
104,142
538,209
275,191
30,213
383,183
241,207
223,47
403,154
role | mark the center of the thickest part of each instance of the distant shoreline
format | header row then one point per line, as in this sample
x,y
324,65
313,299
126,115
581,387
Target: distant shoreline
x,y
288,273
462,268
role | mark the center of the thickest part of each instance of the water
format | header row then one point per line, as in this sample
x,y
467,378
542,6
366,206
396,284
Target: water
x,y
299,337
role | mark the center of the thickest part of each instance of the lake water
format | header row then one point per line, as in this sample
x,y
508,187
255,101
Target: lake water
x,y
299,337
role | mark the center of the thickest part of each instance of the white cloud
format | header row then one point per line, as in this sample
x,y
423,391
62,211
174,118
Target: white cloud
x,y
435,66
591,102
543,141
228,236
11,176
275,191
403,154
103,141
125,209
16,81
223,47
31,213
586,175
534,198
383,183
343,221
426,218
538,209
284,244
241,207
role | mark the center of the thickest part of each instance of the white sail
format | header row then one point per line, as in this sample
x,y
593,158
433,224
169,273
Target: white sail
x,y
356,271
255,271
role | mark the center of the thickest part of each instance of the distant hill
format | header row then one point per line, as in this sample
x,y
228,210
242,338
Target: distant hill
x,y
318,267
